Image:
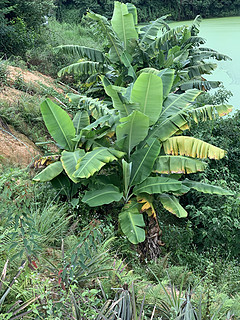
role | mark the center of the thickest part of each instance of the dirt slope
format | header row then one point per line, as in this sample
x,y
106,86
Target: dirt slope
x,y
16,148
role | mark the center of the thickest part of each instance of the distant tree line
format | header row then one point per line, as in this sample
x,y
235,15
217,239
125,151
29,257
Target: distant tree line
x,y
151,9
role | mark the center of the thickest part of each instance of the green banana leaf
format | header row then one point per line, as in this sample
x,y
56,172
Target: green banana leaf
x,y
105,195
192,147
171,204
132,130
116,48
160,185
94,160
143,161
127,169
206,188
83,52
69,161
59,124
147,91
84,67
123,23
178,164
50,172
132,223
81,120
149,32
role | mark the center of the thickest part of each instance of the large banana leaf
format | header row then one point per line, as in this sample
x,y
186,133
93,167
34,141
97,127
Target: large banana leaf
x,y
132,130
147,91
123,23
132,223
81,120
69,161
114,42
201,68
172,204
59,124
178,164
149,32
105,195
94,160
167,76
50,172
84,67
133,10
143,161
160,185
83,52
207,188
210,112
192,147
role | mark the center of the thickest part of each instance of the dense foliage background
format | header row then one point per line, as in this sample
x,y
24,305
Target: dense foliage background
x,y
151,9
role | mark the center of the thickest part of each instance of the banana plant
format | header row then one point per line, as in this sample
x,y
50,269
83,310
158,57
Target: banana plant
x,y
140,156
155,45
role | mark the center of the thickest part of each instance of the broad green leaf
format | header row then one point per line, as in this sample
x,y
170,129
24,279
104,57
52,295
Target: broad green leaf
x,y
192,147
69,161
167,76
210,112
127,169
178,164
50,172
207,188
81,120
93,161
132,223
143,161
132,130
159,185
102,196
147,91
123,23
171,204
59,124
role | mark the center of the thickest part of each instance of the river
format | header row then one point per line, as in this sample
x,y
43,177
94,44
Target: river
x,y
223,35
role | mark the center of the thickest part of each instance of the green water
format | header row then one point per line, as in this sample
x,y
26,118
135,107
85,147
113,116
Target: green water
x,y
223,35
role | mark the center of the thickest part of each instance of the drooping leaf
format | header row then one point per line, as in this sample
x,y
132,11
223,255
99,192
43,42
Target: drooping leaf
x,y
171,204
200,85
167,76
123,23
207,188
83,52
105,195
132,130
132,223
81,120
178,164
50,172
58,123
192,147
143,161
147,91
69,161
159,185
84,67
210,112
94,160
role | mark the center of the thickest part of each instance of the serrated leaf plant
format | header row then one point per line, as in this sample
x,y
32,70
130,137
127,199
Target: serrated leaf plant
x,y
136,151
